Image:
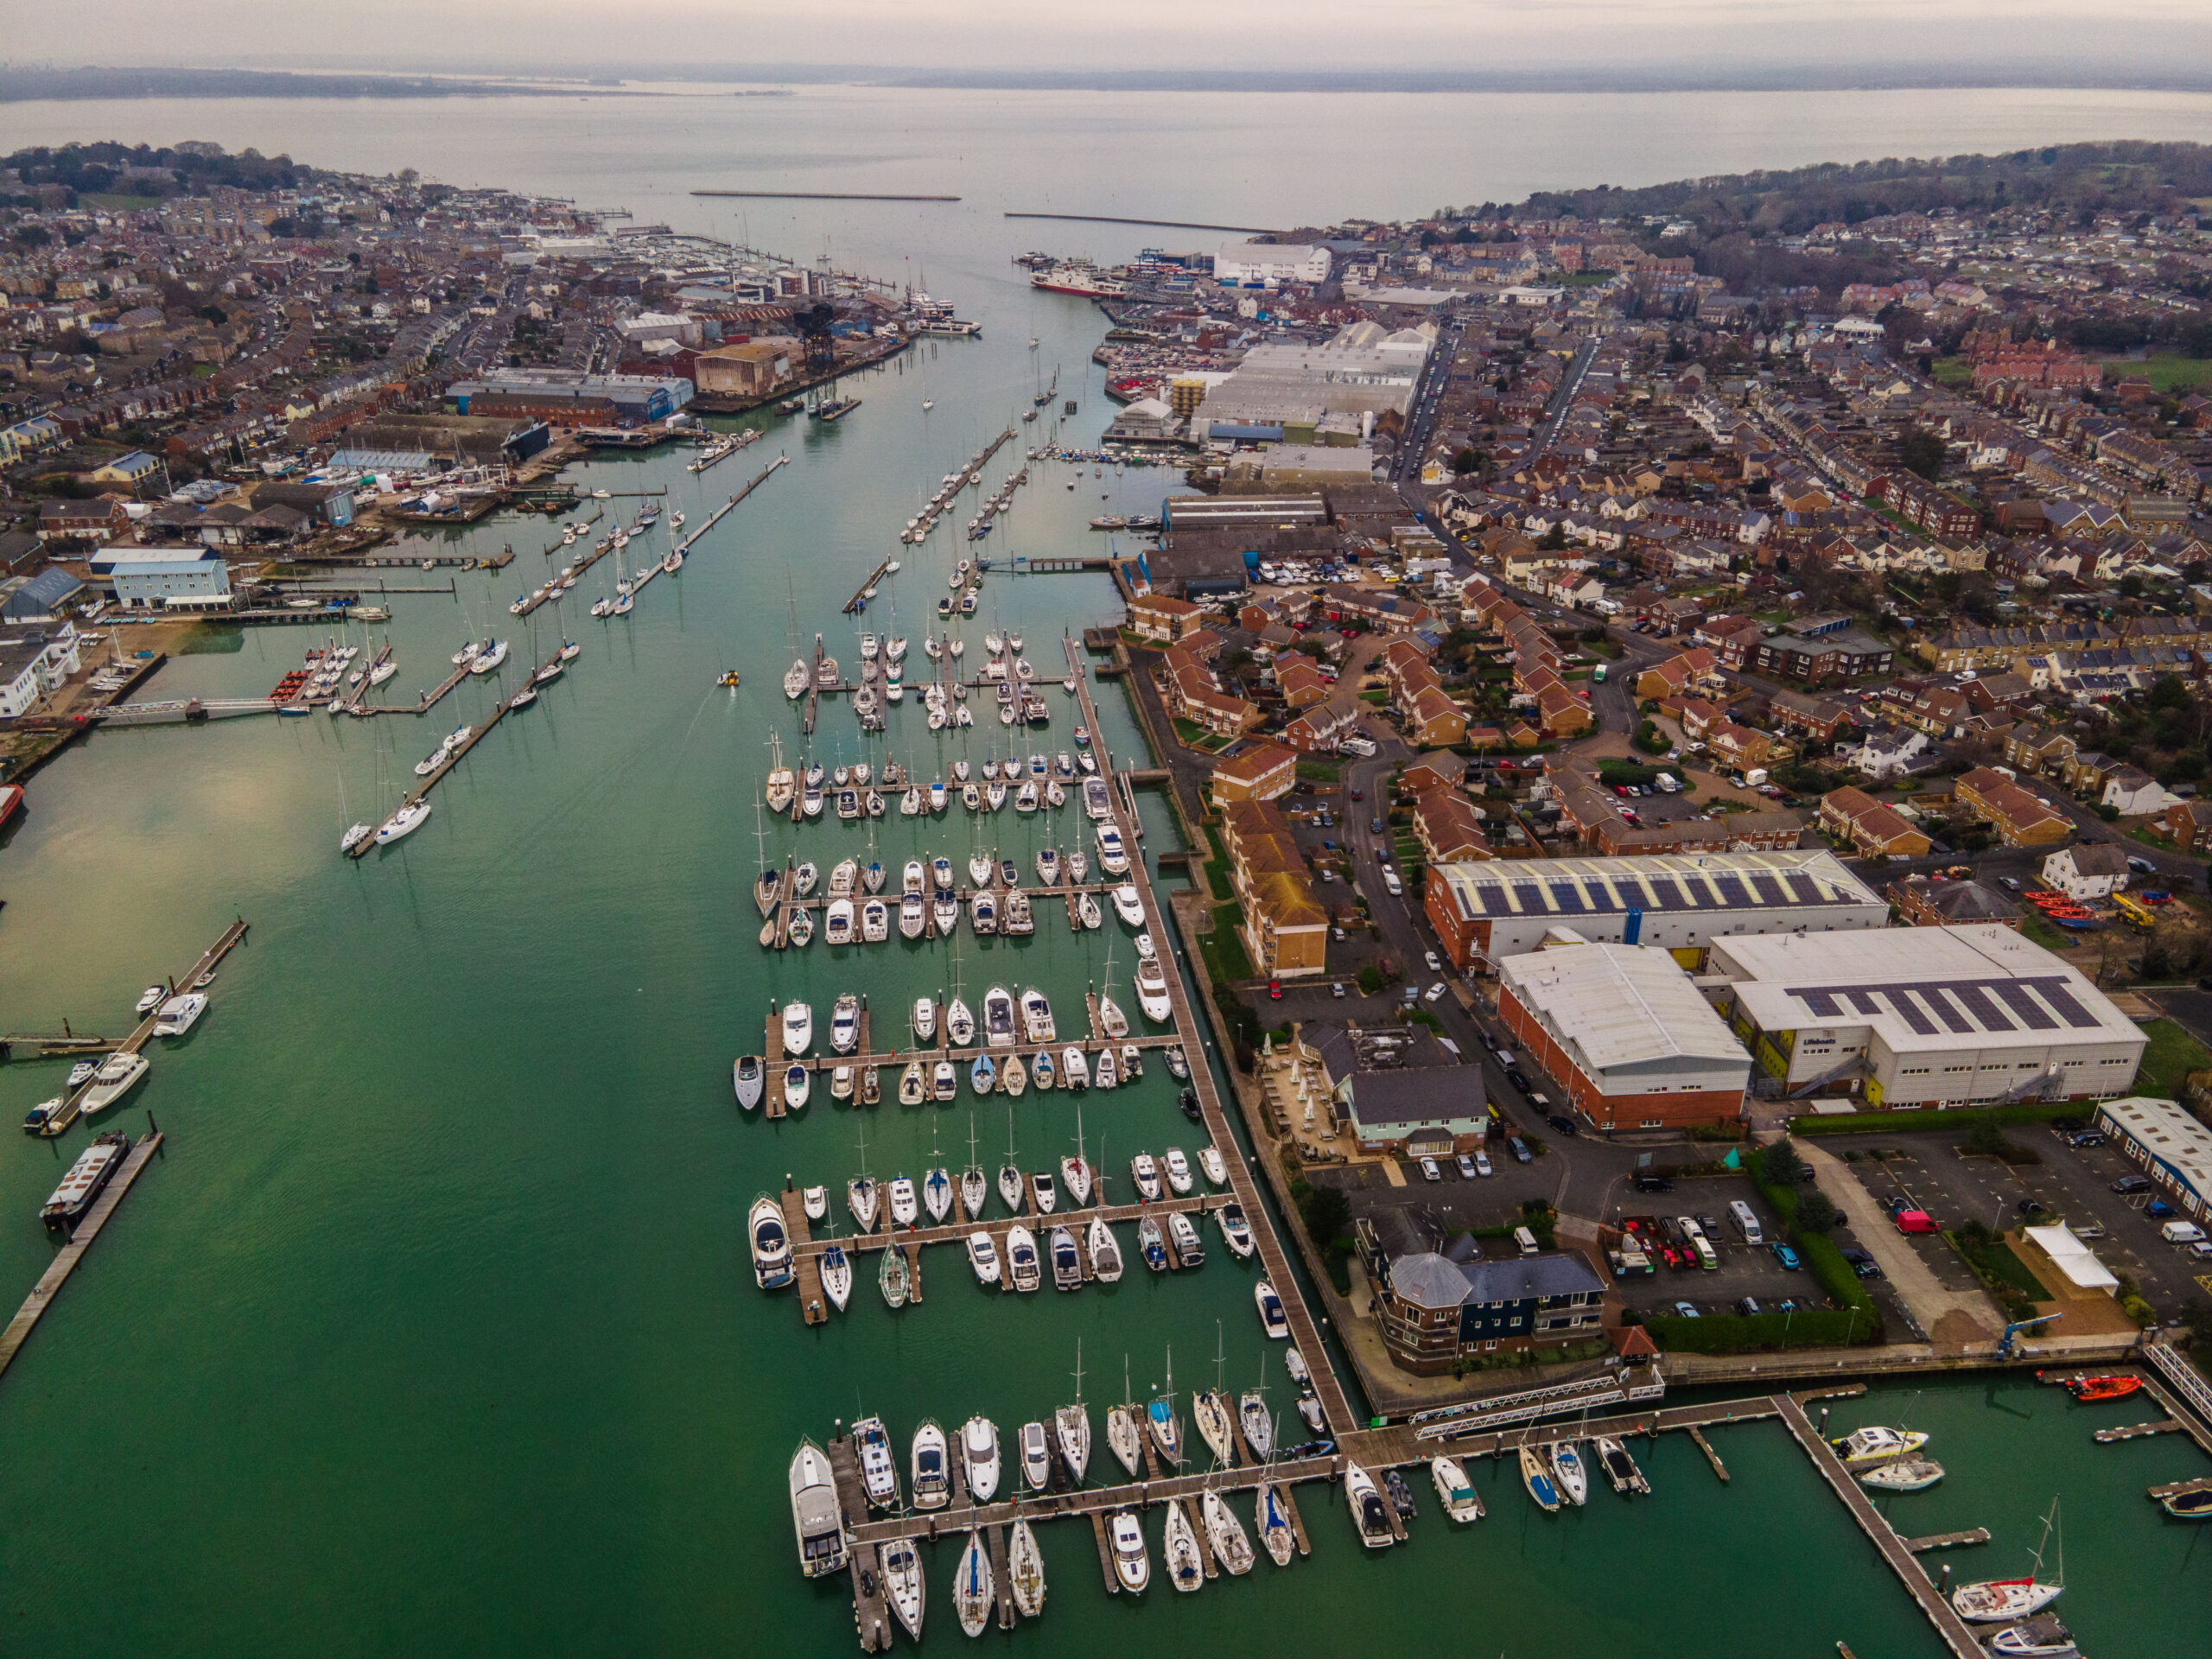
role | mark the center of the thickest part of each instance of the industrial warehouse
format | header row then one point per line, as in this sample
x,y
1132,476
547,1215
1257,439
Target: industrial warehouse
x,y
1485,912
1953,1016
1625,1030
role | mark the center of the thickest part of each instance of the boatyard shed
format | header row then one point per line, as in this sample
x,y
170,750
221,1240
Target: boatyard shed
x,y
1933,1016
1484,912
2172,1147
1625,1032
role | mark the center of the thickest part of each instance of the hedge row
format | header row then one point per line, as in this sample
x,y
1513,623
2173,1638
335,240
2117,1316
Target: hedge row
x,y
1814,1327
1822,1257
2034,1111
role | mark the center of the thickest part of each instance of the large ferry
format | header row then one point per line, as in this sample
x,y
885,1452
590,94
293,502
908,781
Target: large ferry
x,y
1079,277
93,1169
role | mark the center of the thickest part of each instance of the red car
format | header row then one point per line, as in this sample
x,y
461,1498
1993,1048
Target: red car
x,y
1274,990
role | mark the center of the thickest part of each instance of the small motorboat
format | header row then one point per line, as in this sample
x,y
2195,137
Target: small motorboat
x,y
1179,1171
1036,1457
1369,1514
1876,1444
1132,1563
1619,1467
1905,1475
2042,1636
1210,1161
1453,1490
2091,1389
815,1200
979,1455
904,1202
1048,1197
151,998
798,1082
944,1081
748,1076
1273,1320
984,1257
1235,1231
1146,1174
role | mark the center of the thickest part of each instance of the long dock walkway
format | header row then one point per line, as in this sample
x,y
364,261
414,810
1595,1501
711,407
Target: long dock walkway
x,y
1955,1631
64,1263
1336,1407
143,1032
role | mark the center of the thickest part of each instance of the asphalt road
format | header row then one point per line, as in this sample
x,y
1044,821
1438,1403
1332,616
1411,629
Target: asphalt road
x,y
1563,400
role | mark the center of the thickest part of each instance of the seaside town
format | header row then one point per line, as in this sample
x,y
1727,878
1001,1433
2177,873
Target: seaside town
x,y
1687,711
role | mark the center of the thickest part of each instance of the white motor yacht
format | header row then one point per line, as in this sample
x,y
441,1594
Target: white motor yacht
x,y
1454,1491
816,1517
925,1021
771,1243
1132,1563
998,1017
979,1454
179,1014
798,1027
1369,1510
1036,1457
984,1257
844,1024
118,1074
1179,1171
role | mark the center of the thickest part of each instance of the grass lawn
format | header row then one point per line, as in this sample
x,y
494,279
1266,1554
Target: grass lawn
x,y
1954,371
1997,1259
2144,833
122,204
1217,882
2173,1054
2033,926
1319,772
1378,697
2168,372
1224,948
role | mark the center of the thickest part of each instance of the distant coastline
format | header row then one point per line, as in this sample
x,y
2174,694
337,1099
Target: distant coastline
x,y
79,85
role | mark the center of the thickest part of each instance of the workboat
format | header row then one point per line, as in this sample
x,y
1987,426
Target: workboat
x,y
1179,1549
1151,1244
1619,1467
748,1076
1132,1564
798,1027
1235,1231
1569,1474
879,1469
771,1243
998,1017
1905,1475
1210,1416
1146,1174
862,1196
903,1583
2091,1389
1876,1444
932,1473
1273,1320
845,1023
899,1197
95,1166
836,1274
979,1457
179,1014
1536,1476
816,1517
1369,1511
797,1083
118,1076
1272,1518
1105,1253
1992,1600
1037,1025
1026,1567
984,1257
1454,1492
1023,1271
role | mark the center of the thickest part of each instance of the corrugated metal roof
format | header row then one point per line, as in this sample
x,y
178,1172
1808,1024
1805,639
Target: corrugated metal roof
x,y
1620,1004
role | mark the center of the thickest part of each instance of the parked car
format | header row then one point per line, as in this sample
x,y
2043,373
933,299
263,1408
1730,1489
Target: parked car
x,y
2158,1210
1274,990
1686,1311
2128,1184
1434,991
1787,1257
2010,884
1336,988
1435,963
1519,1148
1861,1263
1563,1123
1517,1078
1482,1163
1429,1172
1648,1182
1466,1166
1747,1305
2032,1207
2086,1139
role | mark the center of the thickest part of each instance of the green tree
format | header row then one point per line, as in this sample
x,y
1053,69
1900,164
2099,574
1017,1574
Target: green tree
x,y
1327,1213
1816,1211
1921,451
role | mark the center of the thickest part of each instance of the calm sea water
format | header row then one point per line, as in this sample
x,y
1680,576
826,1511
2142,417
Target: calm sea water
x,y
434,1332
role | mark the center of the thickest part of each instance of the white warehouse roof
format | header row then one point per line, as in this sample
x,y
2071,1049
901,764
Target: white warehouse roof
x,y
1619,1005
2169,1135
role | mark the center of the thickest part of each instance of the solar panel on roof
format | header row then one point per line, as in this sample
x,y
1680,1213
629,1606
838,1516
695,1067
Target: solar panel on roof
x,y
2055,993
1910,1010
1975,1000
1529,896
1566,895
1934,997
1494,903
1769,891
1863,1001
2030,1011
1822,1003
1732,891
1800,886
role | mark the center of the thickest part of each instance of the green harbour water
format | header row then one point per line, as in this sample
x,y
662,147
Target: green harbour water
x,y
433,1329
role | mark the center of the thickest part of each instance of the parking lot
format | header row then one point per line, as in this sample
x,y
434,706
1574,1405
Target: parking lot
x,y
1929,1168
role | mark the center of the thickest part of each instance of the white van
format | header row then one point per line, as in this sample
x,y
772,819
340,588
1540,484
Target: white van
x,y
1746,1223
1525,1240
2180,1232
1391,880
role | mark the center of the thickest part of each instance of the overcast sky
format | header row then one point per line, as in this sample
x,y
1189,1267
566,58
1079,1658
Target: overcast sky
x,y
2151,37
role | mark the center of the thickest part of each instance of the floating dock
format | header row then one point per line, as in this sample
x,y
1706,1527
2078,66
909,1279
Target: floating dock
x,y
64,1263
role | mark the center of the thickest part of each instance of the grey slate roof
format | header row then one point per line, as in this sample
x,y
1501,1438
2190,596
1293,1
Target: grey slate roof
x,y
1437,1281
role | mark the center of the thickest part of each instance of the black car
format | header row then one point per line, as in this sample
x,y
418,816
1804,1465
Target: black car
x,y
1563,1123
2127,1184
1647,1182
2087,1138
1517,1078
1897,1204
2032,1207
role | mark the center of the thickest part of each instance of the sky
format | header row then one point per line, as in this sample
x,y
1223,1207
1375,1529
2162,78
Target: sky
x,y
2116,41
